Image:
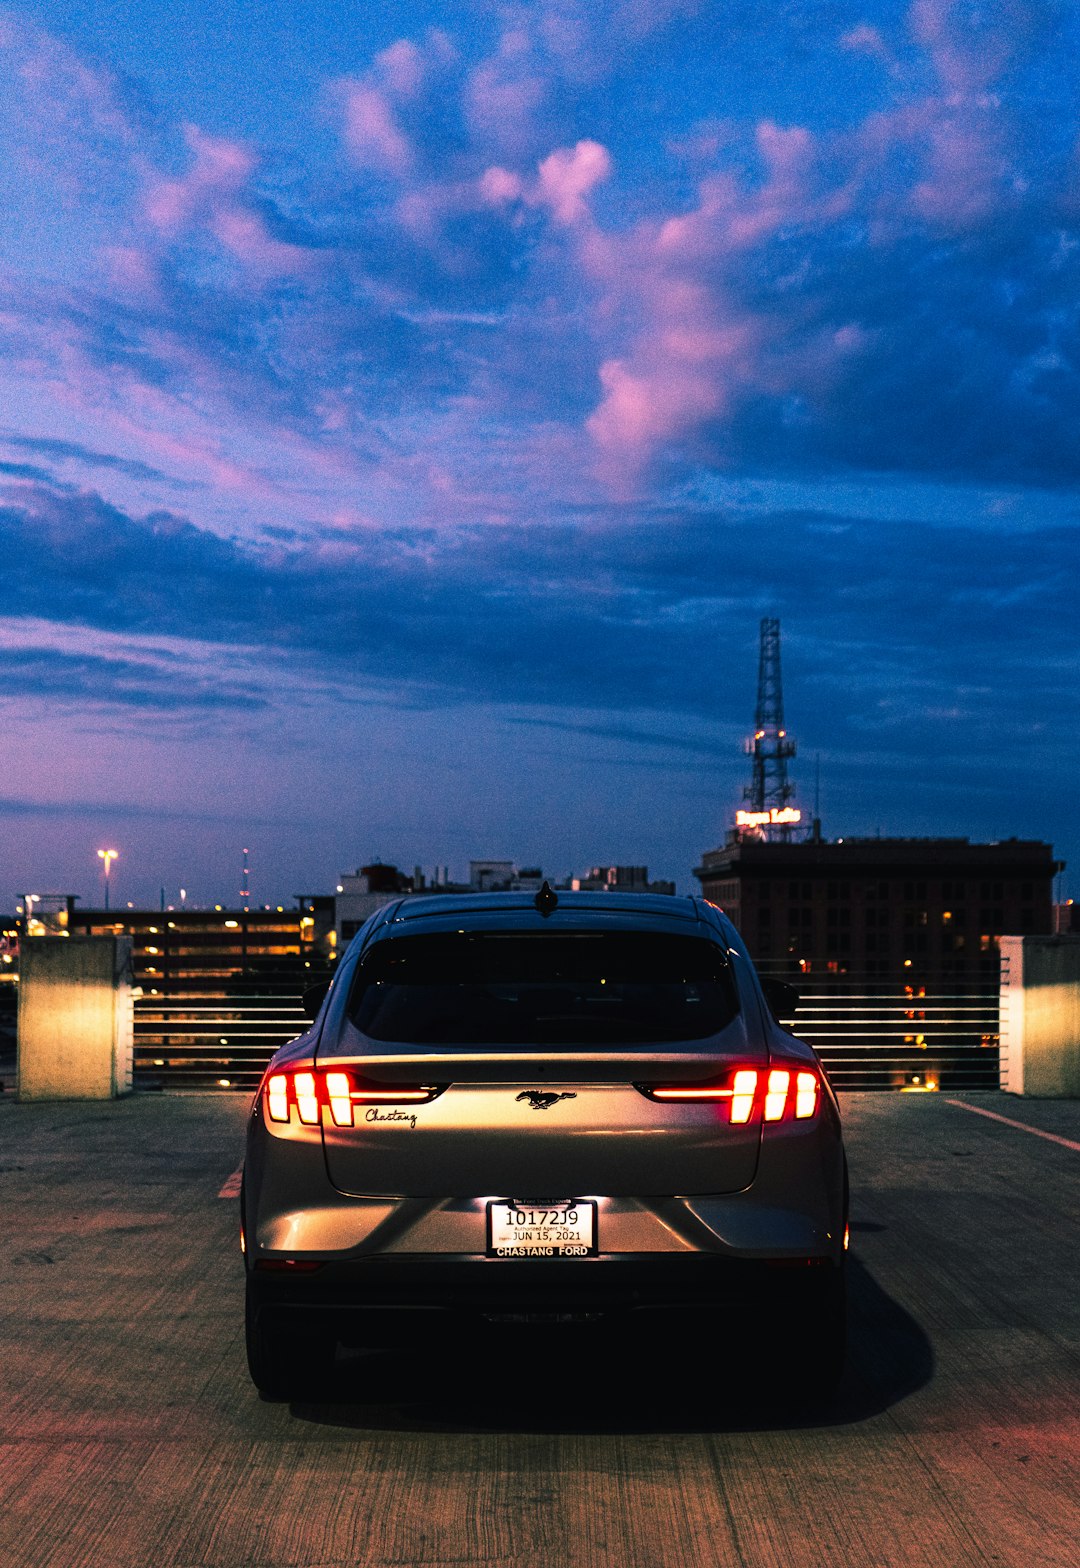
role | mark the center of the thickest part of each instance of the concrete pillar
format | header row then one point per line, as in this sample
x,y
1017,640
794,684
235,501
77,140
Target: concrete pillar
x,y
76,1018
1040,1016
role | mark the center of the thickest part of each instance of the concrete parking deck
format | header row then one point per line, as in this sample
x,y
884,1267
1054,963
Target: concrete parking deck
x,y
130,1435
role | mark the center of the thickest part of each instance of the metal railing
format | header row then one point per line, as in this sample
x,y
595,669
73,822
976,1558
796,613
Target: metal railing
x,y
211,1042
893,1041
869,1035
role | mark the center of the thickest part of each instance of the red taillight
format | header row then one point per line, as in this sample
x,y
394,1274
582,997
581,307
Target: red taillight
x,y
806,1095
277,1097
790,1095
307,1098
743,1090
735,1089
304,1092
777,1095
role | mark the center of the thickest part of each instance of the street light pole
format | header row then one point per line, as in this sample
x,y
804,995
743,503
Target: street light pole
x,y
107,856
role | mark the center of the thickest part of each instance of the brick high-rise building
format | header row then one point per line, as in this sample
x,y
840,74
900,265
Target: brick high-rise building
x,y
909,909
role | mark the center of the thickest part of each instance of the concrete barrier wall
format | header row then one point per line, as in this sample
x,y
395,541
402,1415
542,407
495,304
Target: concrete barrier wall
x,y
75,1018
1040,1016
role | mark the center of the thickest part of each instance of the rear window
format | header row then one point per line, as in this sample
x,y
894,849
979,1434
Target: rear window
x,y
592,989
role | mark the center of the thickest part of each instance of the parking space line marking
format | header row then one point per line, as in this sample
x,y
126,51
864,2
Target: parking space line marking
x,y
231,1188
1052,1137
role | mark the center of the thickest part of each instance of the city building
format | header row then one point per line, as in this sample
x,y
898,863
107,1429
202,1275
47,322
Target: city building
x,y
491,876
503,876
527,879
320,928
912,909
361,893
212,952
619,879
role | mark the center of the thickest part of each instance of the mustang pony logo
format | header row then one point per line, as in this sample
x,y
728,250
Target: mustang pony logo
x,y
541,1101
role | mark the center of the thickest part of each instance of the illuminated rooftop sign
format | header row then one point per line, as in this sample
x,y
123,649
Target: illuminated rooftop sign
x,y
778,817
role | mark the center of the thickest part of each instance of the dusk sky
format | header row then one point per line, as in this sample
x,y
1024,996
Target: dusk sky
x,y
408,412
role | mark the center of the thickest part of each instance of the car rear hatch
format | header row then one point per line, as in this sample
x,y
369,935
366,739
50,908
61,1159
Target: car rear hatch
x,y
525,1065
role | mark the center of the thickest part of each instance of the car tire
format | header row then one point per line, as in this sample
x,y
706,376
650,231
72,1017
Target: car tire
x,y
286,1360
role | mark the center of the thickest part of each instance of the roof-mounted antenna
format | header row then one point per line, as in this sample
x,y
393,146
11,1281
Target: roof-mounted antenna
x,y
547,899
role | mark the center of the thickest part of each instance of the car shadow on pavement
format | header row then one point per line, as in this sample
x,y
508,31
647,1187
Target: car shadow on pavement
x,y
660,1375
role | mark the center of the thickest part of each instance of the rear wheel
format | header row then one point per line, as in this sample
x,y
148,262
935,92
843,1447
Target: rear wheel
x,y
286,1360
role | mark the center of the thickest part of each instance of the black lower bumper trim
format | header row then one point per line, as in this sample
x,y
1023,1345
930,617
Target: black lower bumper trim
x,y
482,1287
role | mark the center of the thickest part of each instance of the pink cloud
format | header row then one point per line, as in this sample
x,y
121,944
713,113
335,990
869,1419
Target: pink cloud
x,y
221,168
971,44
563,181
402,67
245,235
503,94
958,148
638,411
568,175
865,39
218,162
376,110
564,34
129,414
373,136
965,174
957,138
693,354
498,186
213,195
730,218
62,86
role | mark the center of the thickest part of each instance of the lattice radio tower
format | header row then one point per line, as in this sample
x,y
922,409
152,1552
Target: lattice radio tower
x,y
770,791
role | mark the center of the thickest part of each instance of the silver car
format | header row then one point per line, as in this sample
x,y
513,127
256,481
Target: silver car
x,y
542,1109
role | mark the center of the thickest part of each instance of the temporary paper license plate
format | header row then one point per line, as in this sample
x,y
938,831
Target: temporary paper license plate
x,y
542,1230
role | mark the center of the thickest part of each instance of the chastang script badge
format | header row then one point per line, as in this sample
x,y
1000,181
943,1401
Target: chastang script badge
x,y
540,1101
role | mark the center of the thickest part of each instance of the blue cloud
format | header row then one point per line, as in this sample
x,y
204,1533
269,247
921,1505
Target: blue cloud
x,y
73,450
900,636
115,682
